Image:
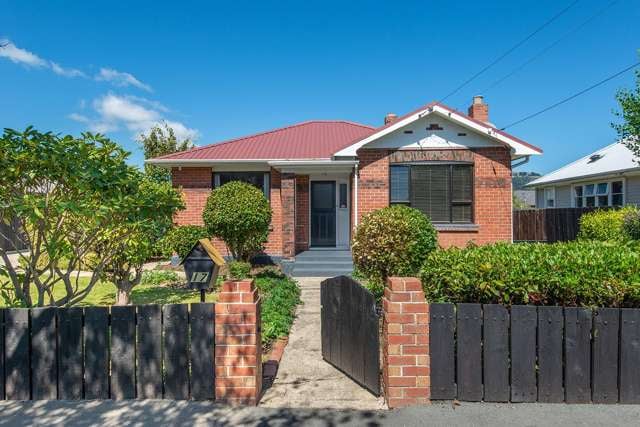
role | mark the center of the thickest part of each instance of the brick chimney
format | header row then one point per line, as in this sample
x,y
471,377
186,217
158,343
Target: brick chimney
x,y
479,110
389,118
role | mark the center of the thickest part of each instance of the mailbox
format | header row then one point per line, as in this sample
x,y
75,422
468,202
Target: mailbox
x,y
202,264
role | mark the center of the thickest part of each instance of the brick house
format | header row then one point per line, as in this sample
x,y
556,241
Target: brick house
x,y
321,177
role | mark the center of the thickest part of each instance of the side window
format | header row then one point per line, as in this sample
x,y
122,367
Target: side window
x,y
550,197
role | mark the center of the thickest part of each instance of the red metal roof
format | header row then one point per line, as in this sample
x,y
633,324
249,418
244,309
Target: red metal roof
x,y
308,140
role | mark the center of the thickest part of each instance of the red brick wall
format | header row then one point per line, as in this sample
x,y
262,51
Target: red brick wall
x,y
302,213
196,185
288,198
492,190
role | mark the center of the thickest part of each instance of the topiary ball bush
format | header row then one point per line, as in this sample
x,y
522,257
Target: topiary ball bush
x,y
181,239
239,214
393,241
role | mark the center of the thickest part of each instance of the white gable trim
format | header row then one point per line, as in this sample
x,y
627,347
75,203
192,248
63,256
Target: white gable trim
x,y
518,149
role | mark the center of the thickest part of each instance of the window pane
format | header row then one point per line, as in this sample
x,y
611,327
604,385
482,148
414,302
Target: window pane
x,y
578,202
461,213
590,201
343,195
399,183
603,188
462,186
616,200
603,200
616,187
578,191
430,191
588,189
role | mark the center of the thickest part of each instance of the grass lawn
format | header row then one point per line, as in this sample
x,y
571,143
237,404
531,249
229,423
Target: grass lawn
x,y
104,293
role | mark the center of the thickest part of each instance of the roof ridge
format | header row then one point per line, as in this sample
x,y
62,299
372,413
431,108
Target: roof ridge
x,y
228,141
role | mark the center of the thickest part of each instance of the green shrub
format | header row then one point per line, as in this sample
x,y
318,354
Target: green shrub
x,y
238,270
604,225
393,241
239,214
631,224
159,278
280,295
181,239
580,273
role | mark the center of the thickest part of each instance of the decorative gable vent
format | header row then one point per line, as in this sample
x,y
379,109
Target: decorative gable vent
x,y
434,126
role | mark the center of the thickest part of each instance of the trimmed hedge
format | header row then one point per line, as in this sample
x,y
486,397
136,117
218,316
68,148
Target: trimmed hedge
x,y
580,273
605,225
181,239
392,241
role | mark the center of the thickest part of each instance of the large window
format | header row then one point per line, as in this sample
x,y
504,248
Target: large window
x,y
598,194
442,192
259,179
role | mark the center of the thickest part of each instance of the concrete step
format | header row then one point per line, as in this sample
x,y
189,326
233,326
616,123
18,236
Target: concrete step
x,y
315,272
324,255
324,264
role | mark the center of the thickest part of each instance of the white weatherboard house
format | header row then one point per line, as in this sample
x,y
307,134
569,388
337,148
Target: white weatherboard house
x,y
608,177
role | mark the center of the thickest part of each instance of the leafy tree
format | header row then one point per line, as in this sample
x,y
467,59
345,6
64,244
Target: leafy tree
x,y
629,129
161,141
67,195
151,208
239,214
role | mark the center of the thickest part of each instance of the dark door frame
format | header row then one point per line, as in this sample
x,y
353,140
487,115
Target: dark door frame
x,y
311,216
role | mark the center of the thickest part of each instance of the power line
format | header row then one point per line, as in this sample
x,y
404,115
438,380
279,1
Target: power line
x,y
575,95
513,48
551,46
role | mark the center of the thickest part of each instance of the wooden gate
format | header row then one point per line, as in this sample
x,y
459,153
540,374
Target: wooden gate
x,y
350,331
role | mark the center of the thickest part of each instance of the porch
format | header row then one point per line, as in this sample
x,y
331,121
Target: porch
x,y
322,263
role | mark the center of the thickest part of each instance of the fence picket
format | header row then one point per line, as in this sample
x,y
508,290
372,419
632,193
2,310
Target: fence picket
x,y
123,355
176,351
577,343
550,336
16,354
523,353
630,355
96,353
70,353
605,355
442,349
202,321
496,353
149,352
470,352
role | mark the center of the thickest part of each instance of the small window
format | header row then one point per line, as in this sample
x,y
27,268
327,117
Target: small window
x,y
578,196
550,197
343,196
258,179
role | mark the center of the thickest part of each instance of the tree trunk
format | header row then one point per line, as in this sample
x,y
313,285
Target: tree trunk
x,y
123,296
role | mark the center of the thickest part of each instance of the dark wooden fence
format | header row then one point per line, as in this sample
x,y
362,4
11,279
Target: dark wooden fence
x,y
528,354
145,352
547,225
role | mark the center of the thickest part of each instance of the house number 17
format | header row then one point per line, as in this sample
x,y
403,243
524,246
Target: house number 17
x,y
199,277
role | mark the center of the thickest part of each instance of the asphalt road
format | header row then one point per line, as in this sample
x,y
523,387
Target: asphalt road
x,y
177,413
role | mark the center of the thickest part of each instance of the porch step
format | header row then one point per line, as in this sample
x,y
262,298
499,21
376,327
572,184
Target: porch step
x,y
322,263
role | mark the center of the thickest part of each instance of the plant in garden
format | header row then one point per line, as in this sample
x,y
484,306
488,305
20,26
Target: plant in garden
x,y
280,295
238,214
67,196
181,239
604,225
631,224
579,273
151,206
392,241
159,278
161,141
238,270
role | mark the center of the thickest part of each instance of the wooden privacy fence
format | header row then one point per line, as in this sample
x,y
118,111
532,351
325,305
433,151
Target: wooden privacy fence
x,y
547,225
146,351
528,354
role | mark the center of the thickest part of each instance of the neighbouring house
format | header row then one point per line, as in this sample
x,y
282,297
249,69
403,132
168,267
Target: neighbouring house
x,y
608,177
526,197
321,177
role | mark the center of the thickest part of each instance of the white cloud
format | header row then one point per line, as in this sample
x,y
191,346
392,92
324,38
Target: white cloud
x,y
137,115
66,72
120,79
20,56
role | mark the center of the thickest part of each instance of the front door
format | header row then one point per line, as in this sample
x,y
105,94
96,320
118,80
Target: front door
x,y
323,213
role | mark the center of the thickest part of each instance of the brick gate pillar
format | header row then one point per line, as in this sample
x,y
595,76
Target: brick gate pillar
x,y
405,343
238,347
288,197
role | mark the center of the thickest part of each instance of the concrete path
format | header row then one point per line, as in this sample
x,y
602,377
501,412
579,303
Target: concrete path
x,y
304,379
157,413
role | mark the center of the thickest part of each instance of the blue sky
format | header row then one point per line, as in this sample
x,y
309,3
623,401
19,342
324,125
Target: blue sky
x,y
218,70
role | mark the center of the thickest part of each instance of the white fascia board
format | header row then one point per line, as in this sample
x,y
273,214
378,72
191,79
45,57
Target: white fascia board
x,y
539,183
320,162
518,149
314,166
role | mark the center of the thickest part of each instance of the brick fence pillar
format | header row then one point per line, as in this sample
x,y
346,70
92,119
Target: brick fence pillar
x,y
405,341
288,199
238,345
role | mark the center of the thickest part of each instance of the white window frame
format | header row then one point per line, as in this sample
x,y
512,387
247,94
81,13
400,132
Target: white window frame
x,y
546,199
609,194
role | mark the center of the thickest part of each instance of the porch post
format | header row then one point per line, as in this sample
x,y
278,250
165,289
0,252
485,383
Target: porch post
x,y
288,200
